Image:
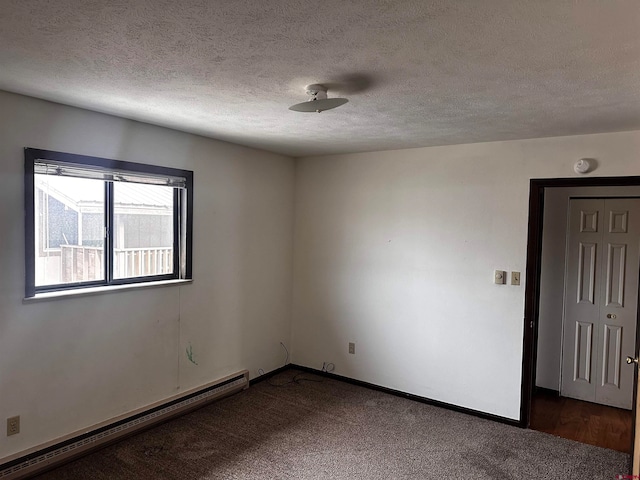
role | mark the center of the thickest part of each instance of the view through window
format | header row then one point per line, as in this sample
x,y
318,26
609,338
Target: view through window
x,y
100,222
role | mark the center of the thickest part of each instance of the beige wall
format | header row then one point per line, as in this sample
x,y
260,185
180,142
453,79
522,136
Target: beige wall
x,y
67,364
396,251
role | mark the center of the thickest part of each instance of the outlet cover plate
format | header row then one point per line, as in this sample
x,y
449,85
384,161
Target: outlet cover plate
x,y
352,348
13,425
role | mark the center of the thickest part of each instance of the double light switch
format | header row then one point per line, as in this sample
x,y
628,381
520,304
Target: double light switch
x,y
500,277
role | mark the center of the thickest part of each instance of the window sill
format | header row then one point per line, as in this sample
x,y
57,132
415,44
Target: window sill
x,y
85,292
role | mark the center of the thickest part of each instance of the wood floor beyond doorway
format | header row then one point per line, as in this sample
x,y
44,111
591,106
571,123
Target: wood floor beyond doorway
x,y
585,422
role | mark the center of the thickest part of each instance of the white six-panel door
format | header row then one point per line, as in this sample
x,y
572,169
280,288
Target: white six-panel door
x,y
600,298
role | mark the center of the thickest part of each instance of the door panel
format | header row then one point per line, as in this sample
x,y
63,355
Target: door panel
x,y
582,356
619,302
616,262
582,298
618,221
599,326
587,272
588,221
612,355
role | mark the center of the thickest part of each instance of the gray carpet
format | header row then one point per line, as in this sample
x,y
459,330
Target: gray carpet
x,y
327,429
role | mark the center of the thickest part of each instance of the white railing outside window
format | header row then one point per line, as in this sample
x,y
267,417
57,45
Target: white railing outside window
x,y
139,262
81,263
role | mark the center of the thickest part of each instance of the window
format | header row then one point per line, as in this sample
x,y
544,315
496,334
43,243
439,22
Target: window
x,y
96,222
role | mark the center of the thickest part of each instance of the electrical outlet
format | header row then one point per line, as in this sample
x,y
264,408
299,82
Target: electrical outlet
x,y
13,425
352,348
328,367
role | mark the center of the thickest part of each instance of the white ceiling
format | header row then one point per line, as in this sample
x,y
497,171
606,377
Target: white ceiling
x,y
416,72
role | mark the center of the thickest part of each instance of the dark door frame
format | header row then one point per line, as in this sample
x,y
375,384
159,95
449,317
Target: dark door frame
x,y
532,290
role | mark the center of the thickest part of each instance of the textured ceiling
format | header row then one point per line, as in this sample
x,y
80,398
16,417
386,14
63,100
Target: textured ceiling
x,y
416,72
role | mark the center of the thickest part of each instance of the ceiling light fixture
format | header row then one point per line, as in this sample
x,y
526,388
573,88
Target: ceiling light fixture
x,y
318,101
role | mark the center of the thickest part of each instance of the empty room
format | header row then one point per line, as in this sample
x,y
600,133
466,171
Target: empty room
x,y
308,240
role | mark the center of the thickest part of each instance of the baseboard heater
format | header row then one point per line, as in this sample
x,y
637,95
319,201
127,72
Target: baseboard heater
x,y
80,443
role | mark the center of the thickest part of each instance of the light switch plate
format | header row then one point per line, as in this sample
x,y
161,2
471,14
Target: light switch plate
x,y
499,277
515,278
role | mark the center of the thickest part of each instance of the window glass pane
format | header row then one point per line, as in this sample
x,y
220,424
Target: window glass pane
x,y
69,230
143,230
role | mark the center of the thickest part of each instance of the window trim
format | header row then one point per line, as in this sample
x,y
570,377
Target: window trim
x,y
183,220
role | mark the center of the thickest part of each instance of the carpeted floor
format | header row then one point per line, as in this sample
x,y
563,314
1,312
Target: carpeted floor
x,y
327,429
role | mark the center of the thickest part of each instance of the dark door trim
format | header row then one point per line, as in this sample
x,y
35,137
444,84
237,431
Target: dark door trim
x,y
532,290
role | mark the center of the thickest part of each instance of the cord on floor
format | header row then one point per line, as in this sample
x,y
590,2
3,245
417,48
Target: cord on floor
x,y
297,380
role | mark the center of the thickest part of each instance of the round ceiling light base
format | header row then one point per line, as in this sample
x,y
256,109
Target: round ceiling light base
x,y
318,101
316,90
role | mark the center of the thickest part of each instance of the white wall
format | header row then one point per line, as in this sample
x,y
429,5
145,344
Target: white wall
x,y
556,209
68,364
393,250
396,250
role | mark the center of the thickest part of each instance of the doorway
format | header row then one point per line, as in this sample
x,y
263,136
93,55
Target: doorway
x,y
534,397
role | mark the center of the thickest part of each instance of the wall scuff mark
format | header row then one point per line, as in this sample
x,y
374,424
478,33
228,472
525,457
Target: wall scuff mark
x,y
190,354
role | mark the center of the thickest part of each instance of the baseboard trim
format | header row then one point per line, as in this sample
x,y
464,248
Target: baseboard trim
x,y
546,391
268,375
410,396
78,444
